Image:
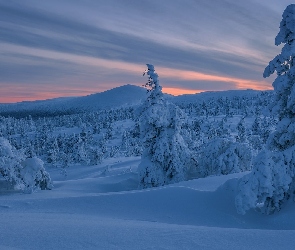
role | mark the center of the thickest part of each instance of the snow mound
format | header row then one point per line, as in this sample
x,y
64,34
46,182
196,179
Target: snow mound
x,y
97,209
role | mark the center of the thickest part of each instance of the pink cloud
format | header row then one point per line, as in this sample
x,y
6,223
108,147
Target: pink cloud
x,y
239,83
77,87
178,91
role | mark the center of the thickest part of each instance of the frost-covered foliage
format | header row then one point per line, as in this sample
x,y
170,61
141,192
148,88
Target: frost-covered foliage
x,y
89,138
25,174
242,134
222,156
269,184
34,176
229,103
272,179
283,64
166,157
9,162
83,138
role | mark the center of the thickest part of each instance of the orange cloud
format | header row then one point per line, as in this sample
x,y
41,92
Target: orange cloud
x,y
27,92
178,91
134,68
239,83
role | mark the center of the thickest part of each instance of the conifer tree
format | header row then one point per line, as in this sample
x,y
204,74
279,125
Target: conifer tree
x,y
272,180
25,174
166,157
242,137
222,156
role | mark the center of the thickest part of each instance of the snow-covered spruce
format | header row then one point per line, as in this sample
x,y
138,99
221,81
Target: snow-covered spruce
x,y
25,174
223,156
34,176
272,180
10,160
166,157
269,184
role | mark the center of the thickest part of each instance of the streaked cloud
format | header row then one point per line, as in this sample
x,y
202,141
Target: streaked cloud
x,y
96,45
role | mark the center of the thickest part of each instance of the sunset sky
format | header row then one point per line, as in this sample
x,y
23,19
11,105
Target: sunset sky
x,y
77,47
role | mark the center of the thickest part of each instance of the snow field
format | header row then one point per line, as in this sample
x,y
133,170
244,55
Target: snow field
x,y
97,209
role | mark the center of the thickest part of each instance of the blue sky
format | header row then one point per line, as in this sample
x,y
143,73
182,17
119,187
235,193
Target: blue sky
x,y
70,47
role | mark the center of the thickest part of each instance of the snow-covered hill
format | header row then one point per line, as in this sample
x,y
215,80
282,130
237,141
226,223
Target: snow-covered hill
x,y
126,95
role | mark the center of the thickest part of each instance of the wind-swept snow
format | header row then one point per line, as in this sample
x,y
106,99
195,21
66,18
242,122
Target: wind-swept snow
x,y
100,207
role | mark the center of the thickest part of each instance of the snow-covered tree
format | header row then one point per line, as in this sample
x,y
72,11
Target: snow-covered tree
x,y
269,184
242,136
272,180
222,130
25,174
166,157
256,126
222,156
97,156
10,162
65,163
34,175
53,152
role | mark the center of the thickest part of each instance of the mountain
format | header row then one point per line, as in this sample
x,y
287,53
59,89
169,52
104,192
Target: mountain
x,y
126,95
123,95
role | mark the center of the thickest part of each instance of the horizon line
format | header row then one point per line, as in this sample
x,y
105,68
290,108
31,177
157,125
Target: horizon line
x,y
46,96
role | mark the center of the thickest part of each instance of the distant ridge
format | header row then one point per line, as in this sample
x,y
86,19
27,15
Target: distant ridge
x,y
126,95
116,97
200,97
123,95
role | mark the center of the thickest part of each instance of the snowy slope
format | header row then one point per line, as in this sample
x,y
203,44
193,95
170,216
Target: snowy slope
x,y
205,96
57,104
124,95
98,209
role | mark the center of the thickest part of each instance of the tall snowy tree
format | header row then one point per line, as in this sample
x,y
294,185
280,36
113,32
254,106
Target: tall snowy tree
x,y
166,157
272,180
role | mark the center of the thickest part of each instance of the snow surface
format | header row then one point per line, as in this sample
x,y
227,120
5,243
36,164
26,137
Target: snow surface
x,y
100,207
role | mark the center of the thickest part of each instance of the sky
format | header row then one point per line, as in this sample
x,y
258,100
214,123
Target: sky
x,y
60,48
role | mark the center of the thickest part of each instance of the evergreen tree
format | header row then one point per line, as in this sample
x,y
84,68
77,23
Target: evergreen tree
x,y
34,175
272,180
256,126
53,152
222,156
25,174
242,136
97,156
166,158
10,160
